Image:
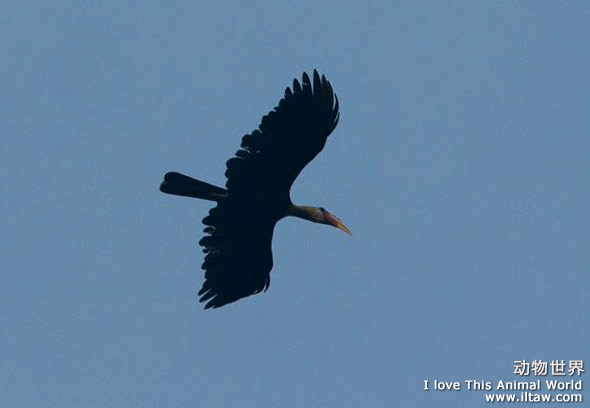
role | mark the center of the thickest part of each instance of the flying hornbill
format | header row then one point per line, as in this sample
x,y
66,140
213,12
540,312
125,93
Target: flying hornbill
x,y
239,228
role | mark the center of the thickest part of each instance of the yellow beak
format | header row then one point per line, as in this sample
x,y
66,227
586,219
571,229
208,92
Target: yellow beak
x,y
336,222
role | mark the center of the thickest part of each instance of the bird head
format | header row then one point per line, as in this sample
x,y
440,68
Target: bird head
x,y
326,217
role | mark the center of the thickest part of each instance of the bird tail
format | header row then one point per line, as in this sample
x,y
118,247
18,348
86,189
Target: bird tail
x,y
181,185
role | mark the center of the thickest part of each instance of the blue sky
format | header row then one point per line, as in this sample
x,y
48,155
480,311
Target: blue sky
x,y
460,163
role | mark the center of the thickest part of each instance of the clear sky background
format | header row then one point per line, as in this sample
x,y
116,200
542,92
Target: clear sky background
x,y
461,164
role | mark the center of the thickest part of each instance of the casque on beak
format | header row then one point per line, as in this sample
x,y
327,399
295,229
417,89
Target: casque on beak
x,y
335,221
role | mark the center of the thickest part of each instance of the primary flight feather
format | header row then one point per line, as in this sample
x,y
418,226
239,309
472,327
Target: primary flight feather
x,y
239,228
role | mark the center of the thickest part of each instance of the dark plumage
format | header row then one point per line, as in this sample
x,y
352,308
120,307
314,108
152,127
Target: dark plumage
x,y
239,228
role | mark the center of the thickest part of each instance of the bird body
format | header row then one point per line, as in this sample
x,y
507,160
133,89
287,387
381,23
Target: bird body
x,y
240,227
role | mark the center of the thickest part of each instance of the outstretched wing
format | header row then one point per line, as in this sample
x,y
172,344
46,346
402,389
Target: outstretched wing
x,y
288,138
239,229
239,257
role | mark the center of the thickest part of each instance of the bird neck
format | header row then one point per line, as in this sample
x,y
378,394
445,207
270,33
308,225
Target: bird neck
x,y
304,211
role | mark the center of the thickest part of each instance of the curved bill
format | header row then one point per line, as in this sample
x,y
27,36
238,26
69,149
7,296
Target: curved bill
x,y
335,221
